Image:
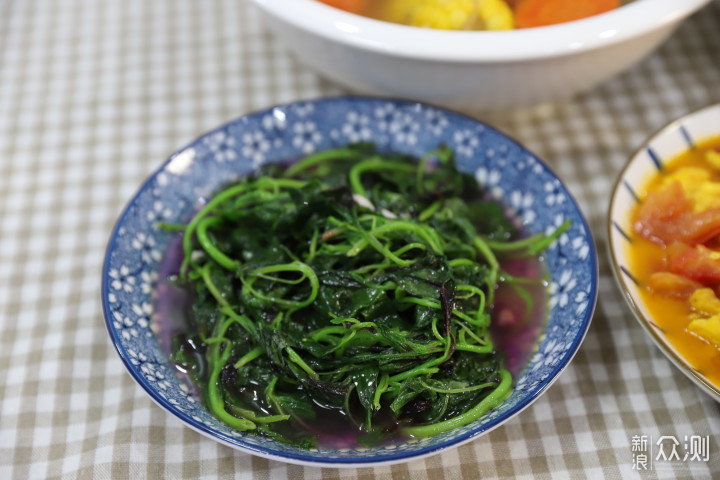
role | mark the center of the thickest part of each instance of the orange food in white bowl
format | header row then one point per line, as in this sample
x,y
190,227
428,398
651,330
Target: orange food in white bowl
x,y
477,14
664,232
472,70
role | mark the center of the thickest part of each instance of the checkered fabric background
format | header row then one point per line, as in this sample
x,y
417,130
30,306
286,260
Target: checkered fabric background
x,y
95,94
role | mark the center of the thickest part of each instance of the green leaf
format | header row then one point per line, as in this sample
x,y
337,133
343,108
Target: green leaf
x,y
365,381
297,404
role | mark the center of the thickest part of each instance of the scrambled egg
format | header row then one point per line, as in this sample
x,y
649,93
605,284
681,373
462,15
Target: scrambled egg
x,y
705,302
713,158
707,328
702,192
450,14
706,322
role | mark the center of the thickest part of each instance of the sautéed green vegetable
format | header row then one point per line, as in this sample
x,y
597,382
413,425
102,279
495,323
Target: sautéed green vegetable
x,y
349,291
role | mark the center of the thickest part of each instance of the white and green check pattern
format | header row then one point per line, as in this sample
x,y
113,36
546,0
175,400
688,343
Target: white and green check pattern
x,y
95,94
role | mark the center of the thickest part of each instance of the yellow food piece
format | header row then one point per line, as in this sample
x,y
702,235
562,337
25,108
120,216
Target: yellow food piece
x,y
495,15
448,14
699,189
713,158
703,300
451,15
706,196
705,303
689,178
707,328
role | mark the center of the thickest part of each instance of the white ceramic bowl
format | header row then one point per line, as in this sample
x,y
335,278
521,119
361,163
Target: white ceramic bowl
x,y
472,70
663,146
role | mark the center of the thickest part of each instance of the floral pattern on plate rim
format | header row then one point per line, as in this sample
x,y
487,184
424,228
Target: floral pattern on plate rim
x,y
510,173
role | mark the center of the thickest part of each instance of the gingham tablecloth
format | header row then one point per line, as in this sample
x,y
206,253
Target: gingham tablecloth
x,y
95,94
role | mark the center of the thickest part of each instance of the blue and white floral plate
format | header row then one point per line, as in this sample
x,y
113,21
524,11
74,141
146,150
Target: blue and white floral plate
x,y
514,175
664,145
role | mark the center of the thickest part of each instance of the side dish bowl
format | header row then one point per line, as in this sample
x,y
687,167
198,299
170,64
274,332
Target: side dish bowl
x,y
680,135
482,70
507,170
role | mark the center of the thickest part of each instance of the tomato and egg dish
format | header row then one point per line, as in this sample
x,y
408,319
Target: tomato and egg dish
x,y
676,254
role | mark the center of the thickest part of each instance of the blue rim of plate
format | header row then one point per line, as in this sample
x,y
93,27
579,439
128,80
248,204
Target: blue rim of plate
x,y
325,458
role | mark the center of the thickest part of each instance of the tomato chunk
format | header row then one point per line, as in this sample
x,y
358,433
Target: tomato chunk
x,y
658,216
703,226
666,216
697,263
672,285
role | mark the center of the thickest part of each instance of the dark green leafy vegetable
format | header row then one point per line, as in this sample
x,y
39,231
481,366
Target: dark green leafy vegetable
x,y
352,282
